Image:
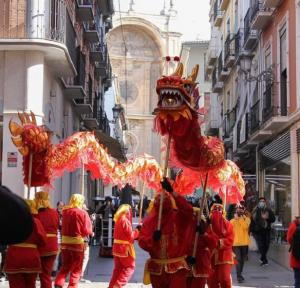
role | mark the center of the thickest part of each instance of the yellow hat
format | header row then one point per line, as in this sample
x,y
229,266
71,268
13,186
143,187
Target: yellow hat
x,y
123,209
76,201
32,206
42,200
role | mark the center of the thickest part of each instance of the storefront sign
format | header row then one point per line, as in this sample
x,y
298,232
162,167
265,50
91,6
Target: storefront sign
x,y
12,159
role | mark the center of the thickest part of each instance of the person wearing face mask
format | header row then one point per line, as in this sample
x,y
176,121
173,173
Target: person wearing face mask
x,y
262,218
241,225
169,246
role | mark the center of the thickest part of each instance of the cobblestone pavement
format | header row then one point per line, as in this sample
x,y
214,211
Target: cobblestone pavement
x,y
99,271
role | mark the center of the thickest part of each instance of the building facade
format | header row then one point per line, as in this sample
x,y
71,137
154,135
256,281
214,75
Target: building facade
x,y
193,53
138,44
254,73
54,62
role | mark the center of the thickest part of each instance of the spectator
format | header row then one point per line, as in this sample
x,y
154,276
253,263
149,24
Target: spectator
x,y
294,258
262,218
240,224
107,208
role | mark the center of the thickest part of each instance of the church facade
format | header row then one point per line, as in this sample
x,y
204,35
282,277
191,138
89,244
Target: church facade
x,y
137,46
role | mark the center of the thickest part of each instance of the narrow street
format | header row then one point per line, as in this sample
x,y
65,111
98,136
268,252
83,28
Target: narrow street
x,y
99,271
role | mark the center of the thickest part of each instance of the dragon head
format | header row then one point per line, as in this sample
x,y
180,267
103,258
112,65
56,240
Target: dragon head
x,y
177,94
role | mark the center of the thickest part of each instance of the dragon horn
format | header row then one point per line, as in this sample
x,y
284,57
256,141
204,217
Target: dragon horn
x,y
15,129
33,119
194,74
179,70
22,118
27,117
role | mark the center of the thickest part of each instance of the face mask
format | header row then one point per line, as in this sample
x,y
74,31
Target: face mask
x,y
261,205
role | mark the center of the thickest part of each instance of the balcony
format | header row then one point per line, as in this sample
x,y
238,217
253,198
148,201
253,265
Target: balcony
x,y
274,117
250,35
100,69
96,52
257,135
224,4
231,118
209,69
91,120
91,35
223,72
230,50
212,56
218,18
72,92
106,7
261,15
82,107
217,87
273,3
218,14
225,127
84,10
26,27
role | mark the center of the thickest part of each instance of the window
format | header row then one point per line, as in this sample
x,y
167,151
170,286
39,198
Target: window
x,y
283,71
268,59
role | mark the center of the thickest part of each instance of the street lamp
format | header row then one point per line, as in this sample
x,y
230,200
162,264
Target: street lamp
x,y
117,110
264,76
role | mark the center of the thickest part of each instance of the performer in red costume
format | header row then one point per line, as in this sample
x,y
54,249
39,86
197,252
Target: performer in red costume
x,y
123,250
76,225
168,247
22,262
222,258
201,266
50,220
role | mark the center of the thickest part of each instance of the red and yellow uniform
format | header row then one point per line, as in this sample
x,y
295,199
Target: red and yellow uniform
x,y
123,250
202,269
22,262
167,266
223,257
76,225
50,220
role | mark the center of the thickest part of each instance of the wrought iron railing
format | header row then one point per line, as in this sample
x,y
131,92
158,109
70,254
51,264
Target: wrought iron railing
x,y
230,46
214,77
226,130
220,63
237,43
255,123
247,24
232,118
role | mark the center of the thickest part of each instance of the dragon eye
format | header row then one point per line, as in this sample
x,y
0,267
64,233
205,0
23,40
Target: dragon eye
x,y
187,87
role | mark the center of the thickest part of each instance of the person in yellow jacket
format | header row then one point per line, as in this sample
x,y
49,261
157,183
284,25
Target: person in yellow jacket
x,y
241,224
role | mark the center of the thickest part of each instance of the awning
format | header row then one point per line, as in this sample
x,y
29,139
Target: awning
x,y
113,146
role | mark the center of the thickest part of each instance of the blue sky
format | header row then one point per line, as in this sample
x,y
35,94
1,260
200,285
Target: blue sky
x,y
192,15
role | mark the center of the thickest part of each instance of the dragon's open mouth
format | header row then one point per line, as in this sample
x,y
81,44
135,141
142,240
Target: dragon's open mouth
x,y
170,98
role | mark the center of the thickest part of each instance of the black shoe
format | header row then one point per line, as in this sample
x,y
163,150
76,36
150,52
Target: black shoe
x,y
264,263
240,279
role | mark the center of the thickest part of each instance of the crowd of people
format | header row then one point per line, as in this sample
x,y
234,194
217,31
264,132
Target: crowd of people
x,y
192,247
